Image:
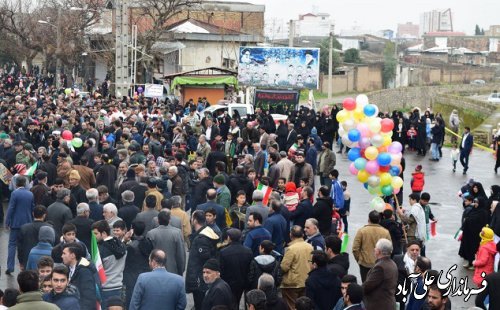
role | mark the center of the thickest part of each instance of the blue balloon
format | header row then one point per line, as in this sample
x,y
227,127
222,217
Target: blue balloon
x,y
384,159
354,154
354,135
394,171
360,163
369,110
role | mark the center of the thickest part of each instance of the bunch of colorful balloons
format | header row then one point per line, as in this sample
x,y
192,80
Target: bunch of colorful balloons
x,y
375,158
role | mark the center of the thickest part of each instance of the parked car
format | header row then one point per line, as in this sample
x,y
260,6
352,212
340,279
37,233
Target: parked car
x,y
478,82
242,108
494,98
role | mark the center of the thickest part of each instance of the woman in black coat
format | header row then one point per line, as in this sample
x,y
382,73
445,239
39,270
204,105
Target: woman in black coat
x,y
421,143
282,133
322,211
475,217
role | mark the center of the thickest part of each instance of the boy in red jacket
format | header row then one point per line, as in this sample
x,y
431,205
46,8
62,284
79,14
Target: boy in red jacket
x,y
417,180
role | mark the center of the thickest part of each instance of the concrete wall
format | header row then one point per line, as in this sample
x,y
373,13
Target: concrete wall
x,y
361,78
198,55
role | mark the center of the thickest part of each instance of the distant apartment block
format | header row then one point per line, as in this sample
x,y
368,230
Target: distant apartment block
x,y
408,31
436,21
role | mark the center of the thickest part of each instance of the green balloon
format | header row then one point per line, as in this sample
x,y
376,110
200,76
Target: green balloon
x,y
77,142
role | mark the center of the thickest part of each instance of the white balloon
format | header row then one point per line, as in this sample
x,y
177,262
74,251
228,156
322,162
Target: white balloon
x,y
373,181
341,131
377,140
361,100
348,125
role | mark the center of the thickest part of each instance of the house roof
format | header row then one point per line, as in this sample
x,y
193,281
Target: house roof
x,y
190,25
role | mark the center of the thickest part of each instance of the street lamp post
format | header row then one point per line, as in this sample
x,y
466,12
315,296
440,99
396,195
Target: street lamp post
x,y
330,63
58,44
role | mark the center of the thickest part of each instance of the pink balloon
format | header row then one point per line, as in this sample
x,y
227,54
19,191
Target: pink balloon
x,y
396,190
364,142
372,167
353,169
364,130
395,148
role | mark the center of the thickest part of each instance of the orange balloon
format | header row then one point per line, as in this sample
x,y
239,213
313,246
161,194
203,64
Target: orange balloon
x,y
388,207
382,149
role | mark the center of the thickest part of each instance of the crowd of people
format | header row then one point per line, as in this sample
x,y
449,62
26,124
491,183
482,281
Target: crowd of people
x,y
132,203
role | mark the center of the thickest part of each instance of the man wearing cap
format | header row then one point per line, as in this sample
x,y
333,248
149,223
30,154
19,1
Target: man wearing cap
x,y
41,189
26,156
59,212
235,261
158,289
219,292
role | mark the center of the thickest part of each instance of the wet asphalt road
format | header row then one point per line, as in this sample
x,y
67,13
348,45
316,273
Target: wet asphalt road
x,y
441,183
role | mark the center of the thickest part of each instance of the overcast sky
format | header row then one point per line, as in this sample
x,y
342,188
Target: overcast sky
x,y
386,14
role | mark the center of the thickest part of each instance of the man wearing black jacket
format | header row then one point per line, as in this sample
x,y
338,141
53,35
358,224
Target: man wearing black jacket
x,y
28,235
82,274
338,263
235,261
201,188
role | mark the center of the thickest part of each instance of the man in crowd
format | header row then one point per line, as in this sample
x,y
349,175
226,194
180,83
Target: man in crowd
x,y
158,289
63,294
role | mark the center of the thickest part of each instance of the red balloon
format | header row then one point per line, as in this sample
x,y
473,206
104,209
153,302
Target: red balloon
x,y
67,135
349,104
387,125
385,168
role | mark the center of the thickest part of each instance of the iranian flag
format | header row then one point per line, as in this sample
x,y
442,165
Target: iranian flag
x,y
96,259
458,235
31,170
267,190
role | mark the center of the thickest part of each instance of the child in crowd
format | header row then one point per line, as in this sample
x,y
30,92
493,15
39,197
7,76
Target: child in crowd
x,y
347,204
291,196
412,138
454,156
417,180
46,284
485,256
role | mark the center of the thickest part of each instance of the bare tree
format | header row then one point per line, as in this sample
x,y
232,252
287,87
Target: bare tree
x,y
19,22
152,17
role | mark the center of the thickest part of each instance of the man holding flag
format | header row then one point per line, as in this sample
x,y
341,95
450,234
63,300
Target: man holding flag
x,y
113,253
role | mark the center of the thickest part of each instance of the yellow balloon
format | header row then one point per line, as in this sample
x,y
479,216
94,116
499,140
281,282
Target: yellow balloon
x,y
388,134
397,182
342,116
359,115
363,176
371,153
385,179
387,141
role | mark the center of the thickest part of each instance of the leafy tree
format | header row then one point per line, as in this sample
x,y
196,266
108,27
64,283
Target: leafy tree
x,y
352,56
324,46
390,64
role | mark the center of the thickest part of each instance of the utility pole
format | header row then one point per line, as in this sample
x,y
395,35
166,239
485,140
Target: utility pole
x,y
330,63
58,47
291,33
122,75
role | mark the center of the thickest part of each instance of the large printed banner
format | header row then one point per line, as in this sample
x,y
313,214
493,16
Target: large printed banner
x,y
276,101
279,67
